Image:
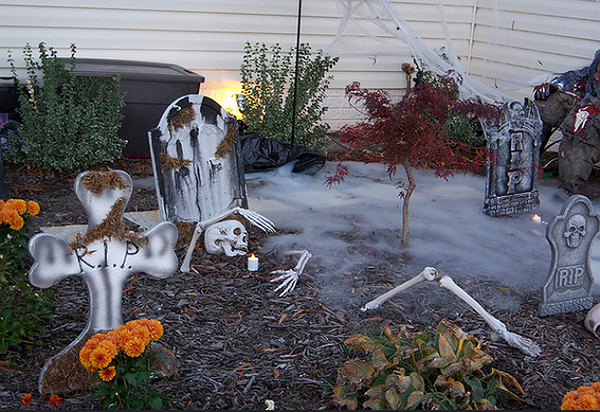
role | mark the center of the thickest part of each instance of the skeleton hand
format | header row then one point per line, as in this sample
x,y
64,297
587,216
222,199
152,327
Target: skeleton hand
x,y
290,276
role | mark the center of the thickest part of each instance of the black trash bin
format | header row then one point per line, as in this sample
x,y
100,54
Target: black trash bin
x,y
9,100
150,88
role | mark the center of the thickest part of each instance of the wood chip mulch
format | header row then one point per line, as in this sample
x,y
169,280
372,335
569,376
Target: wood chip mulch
x,y
238,344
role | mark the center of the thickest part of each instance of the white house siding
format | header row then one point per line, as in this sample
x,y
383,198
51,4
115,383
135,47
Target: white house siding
x,y
521,41
496,40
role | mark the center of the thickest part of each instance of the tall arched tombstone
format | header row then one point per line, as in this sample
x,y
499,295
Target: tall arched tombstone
x,y
570,281
514,148
196,158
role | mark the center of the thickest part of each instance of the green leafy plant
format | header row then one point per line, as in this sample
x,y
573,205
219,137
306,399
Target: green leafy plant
x,y
415,370
25,309
68,122
268,78
125,366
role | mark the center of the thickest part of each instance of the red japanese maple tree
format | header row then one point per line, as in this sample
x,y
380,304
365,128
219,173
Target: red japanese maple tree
x,y
413,132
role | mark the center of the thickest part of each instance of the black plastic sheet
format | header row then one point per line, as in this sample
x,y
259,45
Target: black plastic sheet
x,y
260,154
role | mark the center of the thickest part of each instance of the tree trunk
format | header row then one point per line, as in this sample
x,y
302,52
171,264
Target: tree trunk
x,y
409,191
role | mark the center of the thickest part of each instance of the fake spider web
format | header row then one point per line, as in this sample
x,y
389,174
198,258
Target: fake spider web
x,y
377,28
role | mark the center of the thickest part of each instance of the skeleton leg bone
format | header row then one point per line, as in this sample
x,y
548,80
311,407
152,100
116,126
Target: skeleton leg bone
x,y
429,274
290,277
516,341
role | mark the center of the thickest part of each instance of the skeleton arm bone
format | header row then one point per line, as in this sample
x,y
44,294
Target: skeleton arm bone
x,y
513,339
428,274
254,218
290,277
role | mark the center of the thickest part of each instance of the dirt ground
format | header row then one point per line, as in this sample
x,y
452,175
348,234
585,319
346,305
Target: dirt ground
x,y
238,344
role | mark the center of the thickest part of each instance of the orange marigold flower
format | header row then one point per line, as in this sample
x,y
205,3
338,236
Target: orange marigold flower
x,y
85,358
589,403
140,331
103,354
8,214
107,374
134,347
16,223
33,208
18,204
26,399
122,337
154,327
54,401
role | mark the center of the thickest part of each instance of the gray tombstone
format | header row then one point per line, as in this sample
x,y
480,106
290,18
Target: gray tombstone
x,y
197,163
514,148
570,281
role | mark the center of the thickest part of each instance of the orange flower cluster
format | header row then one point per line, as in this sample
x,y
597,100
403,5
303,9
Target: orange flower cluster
x,y
584,398
131,339
12,211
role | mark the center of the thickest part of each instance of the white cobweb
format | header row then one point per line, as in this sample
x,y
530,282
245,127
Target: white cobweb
x,y
377,28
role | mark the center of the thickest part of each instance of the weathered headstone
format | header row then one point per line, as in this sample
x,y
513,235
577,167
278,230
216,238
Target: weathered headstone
x,y
514,148
197,162
570,281
104,257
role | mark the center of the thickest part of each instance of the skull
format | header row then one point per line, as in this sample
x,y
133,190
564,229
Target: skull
x,y
228,236
575,230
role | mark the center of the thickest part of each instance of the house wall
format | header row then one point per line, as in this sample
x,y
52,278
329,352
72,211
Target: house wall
x,y
496,40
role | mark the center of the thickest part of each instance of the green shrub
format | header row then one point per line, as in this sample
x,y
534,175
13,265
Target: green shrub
x,y
416,371
68,122
267,85
25,309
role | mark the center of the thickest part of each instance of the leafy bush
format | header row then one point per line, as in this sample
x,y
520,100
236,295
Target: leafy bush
x,y
267,85
414,370
25,310
68,122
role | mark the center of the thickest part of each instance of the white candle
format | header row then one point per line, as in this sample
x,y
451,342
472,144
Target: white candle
x,y
252,263
537,219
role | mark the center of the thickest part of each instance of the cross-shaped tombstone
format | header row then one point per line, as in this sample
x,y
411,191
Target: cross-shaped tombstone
x,y
570,281
104,257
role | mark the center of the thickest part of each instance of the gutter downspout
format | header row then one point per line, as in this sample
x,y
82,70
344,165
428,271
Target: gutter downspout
x,y
472,36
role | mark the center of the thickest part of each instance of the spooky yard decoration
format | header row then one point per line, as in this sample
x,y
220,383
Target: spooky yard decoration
x,y
104,257
199,175
415,132
431,274
570,103
570,281
513,170
199,178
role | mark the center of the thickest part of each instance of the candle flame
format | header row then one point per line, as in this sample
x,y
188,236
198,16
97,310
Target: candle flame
x,y
535,216
251,255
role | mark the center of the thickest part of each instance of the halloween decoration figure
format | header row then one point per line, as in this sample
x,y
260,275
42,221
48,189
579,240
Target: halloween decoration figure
x,y
104,257
229,237
575,230
199,179
431,274
223,237
290,276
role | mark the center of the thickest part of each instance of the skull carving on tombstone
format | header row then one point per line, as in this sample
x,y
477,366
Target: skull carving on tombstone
x,y
575,230
228,236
